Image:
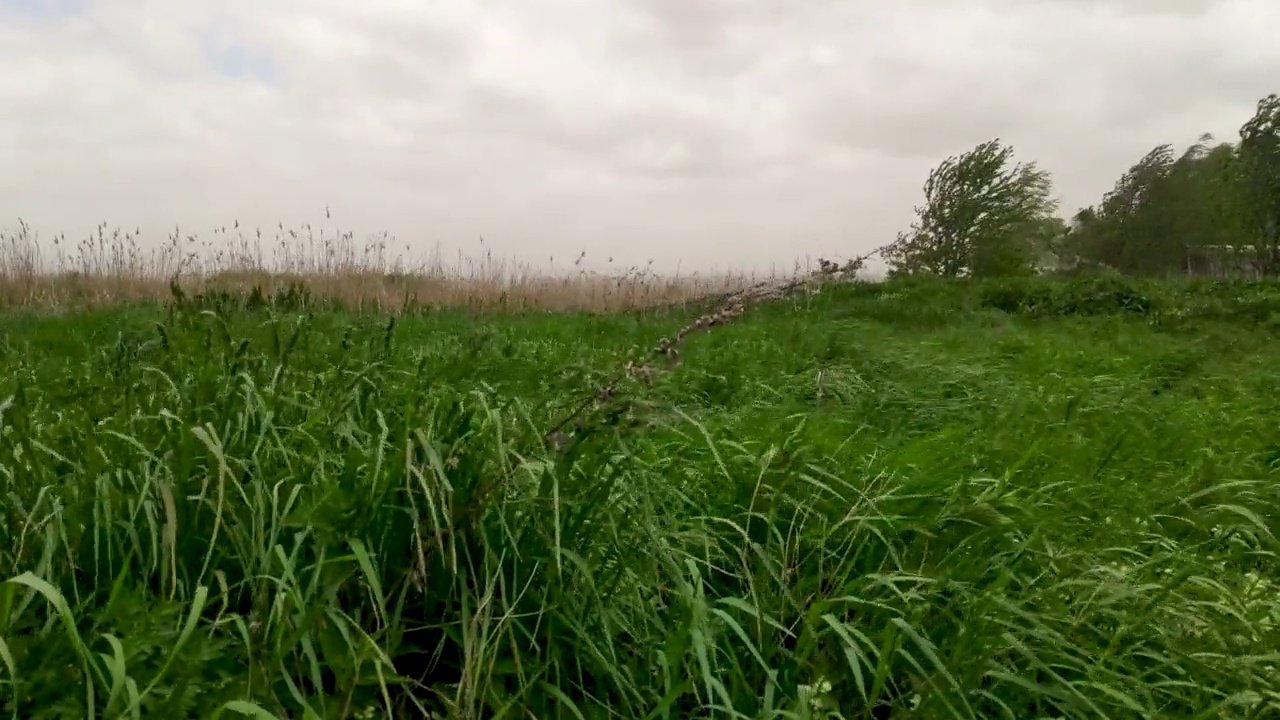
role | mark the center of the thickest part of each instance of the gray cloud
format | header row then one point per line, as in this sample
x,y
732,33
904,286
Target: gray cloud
x,y
699,132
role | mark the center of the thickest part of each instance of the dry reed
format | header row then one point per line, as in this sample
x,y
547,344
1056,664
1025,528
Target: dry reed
x,y
113,267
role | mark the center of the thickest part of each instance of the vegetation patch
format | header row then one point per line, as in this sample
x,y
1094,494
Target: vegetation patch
x,y
245,507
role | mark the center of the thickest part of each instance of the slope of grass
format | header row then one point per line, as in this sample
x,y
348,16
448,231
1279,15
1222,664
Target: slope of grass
x,y
1015,500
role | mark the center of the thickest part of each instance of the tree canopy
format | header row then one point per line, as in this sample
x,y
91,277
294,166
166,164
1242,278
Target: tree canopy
x,y
980,214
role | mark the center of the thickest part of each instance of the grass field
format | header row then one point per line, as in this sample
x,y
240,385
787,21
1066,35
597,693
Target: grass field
x,y
1036,499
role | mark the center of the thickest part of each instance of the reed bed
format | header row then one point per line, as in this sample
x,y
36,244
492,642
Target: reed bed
x,y
114,266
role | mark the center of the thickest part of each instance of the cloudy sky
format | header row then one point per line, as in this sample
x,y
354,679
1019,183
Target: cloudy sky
x,y
708,133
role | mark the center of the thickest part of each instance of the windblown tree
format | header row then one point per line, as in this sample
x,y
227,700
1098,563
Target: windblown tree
x,y
1205,209
982,216
1260,164
1112,234
1165,210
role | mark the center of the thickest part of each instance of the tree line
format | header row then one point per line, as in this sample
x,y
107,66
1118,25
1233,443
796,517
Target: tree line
x,y
1212,209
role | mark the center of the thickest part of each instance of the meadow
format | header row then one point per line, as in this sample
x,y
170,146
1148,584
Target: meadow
x,y
1008,499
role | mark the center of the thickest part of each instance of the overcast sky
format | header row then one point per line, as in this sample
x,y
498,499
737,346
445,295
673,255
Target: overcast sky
x,y
704,132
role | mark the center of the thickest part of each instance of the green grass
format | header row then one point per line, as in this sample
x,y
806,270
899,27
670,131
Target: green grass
x,y
912,500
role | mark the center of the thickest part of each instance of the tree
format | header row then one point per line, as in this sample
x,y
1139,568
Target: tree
x,y
979,218
1260,161
1122,236
1163,211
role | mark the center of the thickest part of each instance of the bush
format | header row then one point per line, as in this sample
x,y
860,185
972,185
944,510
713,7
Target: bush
x,y
1105,295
